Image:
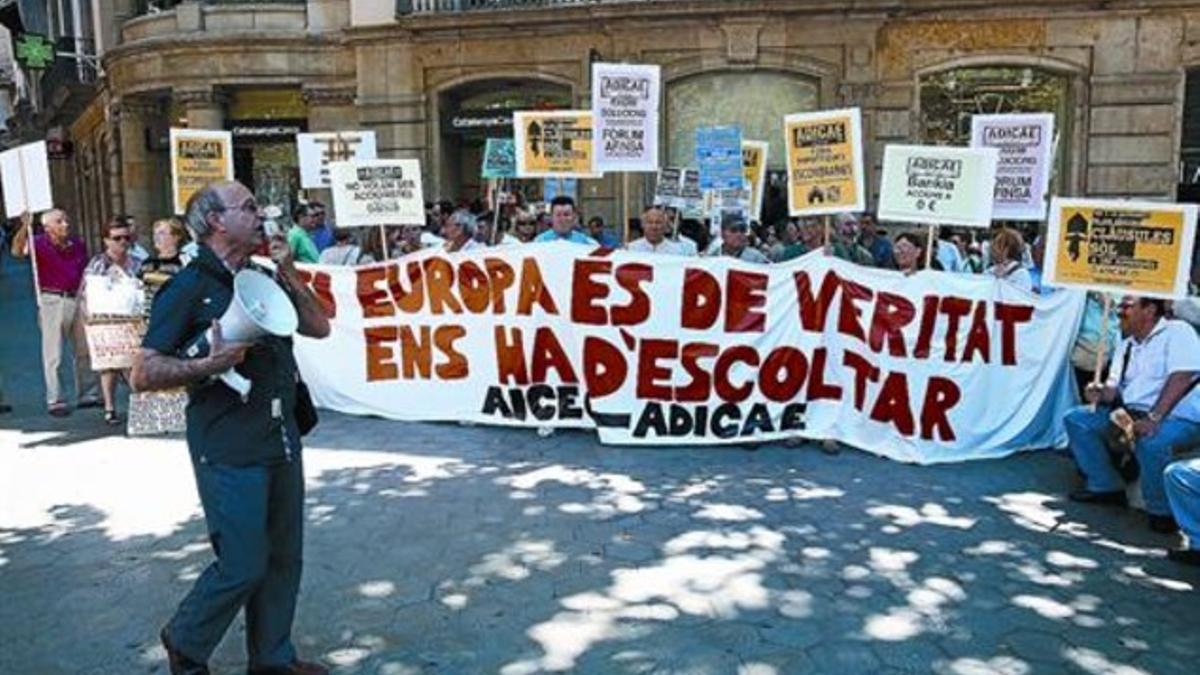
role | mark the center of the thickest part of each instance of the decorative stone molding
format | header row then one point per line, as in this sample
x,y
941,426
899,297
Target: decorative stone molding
x,y
329,96
861,94
200,98
132,107
742,40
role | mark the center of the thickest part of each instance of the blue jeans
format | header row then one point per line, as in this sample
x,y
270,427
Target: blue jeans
x,y
1086,429
255,517
1183,492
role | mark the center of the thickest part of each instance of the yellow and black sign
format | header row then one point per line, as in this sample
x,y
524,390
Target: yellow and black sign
x,y
554,144
754,168
1141,248
824,161
198,157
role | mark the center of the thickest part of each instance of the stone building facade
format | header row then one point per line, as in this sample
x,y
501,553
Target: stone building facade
x,y
434,77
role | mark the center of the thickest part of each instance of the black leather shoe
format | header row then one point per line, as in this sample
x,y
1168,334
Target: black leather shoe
x,y
177,662
1187,556
1115,498
1162,524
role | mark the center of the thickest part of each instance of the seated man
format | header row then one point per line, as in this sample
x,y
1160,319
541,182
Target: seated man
x,y
1151,376
1183,492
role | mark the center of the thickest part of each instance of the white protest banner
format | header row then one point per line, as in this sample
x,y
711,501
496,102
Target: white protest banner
x,y
824,162
377,192
663,350
1122,247
198,157
554,144
937,185
316,151
25,173
625,117
1026,146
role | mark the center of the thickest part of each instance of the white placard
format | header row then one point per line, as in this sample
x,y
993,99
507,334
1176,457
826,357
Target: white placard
x,y
936,185
377,192
316,151
1026,146
25,171
625,106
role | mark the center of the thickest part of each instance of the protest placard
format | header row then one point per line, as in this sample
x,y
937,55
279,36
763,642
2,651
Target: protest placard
x,y
114,295
754,168
625,102
378,192
113,343
554,144
824,162
693,197
198,157
719,157
317,151
25,173
499,159
1026,146
935,185
668,187
1143,248
673,350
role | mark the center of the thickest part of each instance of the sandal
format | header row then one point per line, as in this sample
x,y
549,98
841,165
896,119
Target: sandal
x,y
111,418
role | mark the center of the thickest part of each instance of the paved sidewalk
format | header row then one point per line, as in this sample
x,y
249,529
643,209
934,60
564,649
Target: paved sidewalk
x,y
447,549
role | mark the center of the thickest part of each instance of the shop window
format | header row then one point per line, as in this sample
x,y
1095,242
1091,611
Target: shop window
x,y
950,98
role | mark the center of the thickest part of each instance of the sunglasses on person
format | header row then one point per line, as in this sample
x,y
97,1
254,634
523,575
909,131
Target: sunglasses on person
x,y
119,237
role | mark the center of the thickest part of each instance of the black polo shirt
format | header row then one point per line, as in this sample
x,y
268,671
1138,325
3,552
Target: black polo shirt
x,y
221,428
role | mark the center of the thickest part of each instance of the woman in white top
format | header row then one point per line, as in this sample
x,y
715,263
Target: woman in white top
x,y
459,232
1007,247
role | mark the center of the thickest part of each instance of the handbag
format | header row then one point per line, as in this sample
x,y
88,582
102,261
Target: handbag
x,y
305,411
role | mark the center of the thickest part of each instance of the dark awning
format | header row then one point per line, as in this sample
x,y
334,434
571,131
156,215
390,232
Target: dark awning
x,y
24,16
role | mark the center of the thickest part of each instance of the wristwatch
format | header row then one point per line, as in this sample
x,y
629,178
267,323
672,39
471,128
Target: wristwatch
x,y
1154,417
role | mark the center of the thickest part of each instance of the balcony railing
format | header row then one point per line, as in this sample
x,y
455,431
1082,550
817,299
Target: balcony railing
x,y
408,7
155,6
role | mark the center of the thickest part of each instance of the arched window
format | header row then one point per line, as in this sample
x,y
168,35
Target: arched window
x,y
756,101
950,97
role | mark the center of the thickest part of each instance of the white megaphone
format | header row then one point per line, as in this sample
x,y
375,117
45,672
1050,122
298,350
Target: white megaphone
x,y
259,307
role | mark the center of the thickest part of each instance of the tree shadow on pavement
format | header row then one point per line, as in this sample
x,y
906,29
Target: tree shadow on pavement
x,y
449,549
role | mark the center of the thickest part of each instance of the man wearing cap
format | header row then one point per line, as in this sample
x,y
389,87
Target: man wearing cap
x,y
735,243
61,260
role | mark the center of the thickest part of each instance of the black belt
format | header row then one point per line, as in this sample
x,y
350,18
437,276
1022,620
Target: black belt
x,y
61,294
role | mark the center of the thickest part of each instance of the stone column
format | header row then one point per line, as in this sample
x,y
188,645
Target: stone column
x,y
205,107
331,108
140,181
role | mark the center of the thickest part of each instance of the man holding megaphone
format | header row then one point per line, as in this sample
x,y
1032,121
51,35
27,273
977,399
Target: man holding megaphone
x,y
226,336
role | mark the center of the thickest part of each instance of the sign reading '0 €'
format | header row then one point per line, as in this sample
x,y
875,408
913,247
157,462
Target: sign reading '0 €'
x,y
555,144
1144,248
824,162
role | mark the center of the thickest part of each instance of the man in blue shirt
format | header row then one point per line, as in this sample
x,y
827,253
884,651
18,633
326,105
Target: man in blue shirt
x,y
322,233
245,452
563,221
596,229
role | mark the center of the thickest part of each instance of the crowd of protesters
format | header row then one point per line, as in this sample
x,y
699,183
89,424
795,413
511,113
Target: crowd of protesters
x,y
1152,345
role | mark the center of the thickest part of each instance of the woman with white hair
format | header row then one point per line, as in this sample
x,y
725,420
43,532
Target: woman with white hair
x,y
459,232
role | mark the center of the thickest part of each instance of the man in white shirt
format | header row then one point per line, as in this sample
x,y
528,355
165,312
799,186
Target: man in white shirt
x,y
654,227
1152,375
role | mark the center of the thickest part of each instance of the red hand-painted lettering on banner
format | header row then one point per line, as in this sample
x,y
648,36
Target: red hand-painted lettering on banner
x,y
1009,316
321,284
747,293
701,300
416,346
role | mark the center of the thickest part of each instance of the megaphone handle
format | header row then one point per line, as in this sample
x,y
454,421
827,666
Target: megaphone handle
x,y
236,382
